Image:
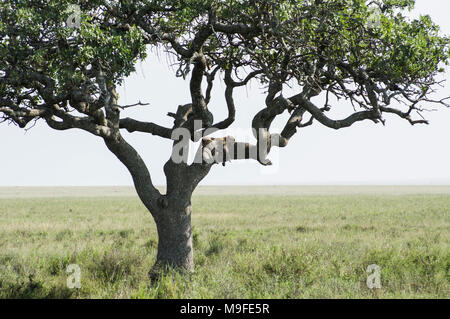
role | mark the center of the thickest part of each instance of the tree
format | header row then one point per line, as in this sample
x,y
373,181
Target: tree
x,y
61,62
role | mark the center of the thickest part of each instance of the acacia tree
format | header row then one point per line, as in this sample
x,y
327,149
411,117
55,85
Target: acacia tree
x,y
63,66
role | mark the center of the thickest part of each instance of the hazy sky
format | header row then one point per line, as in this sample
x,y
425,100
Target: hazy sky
x,y
362,154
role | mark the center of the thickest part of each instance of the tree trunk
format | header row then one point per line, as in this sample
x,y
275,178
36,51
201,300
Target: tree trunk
x,y
172,211
173,219
175,236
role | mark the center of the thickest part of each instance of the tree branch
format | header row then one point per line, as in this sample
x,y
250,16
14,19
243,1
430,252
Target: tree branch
x,y
319,115
132,125
138,170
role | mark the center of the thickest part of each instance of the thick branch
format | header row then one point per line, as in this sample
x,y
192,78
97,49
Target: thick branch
x,y
138,170
198,101
132,125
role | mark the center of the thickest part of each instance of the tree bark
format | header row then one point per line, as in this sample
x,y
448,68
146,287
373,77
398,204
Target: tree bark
x,y
173,221
175,236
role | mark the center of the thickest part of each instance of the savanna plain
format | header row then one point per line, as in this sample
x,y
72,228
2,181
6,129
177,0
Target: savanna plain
x,y
250,242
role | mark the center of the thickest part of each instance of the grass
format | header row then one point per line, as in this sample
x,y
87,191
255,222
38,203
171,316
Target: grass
x,y
246,246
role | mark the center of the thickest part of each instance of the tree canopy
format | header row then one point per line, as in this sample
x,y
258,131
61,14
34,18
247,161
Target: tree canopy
x,y
319,46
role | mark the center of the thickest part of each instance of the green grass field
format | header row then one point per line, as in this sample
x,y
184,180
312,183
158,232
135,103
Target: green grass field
x,y
283,242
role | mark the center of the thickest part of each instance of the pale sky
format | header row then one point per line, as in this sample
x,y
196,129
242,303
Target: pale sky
x,y
362,154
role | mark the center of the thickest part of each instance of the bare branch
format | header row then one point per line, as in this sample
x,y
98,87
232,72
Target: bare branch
x,y
404,115
132,125
123,107
319,115
138,170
